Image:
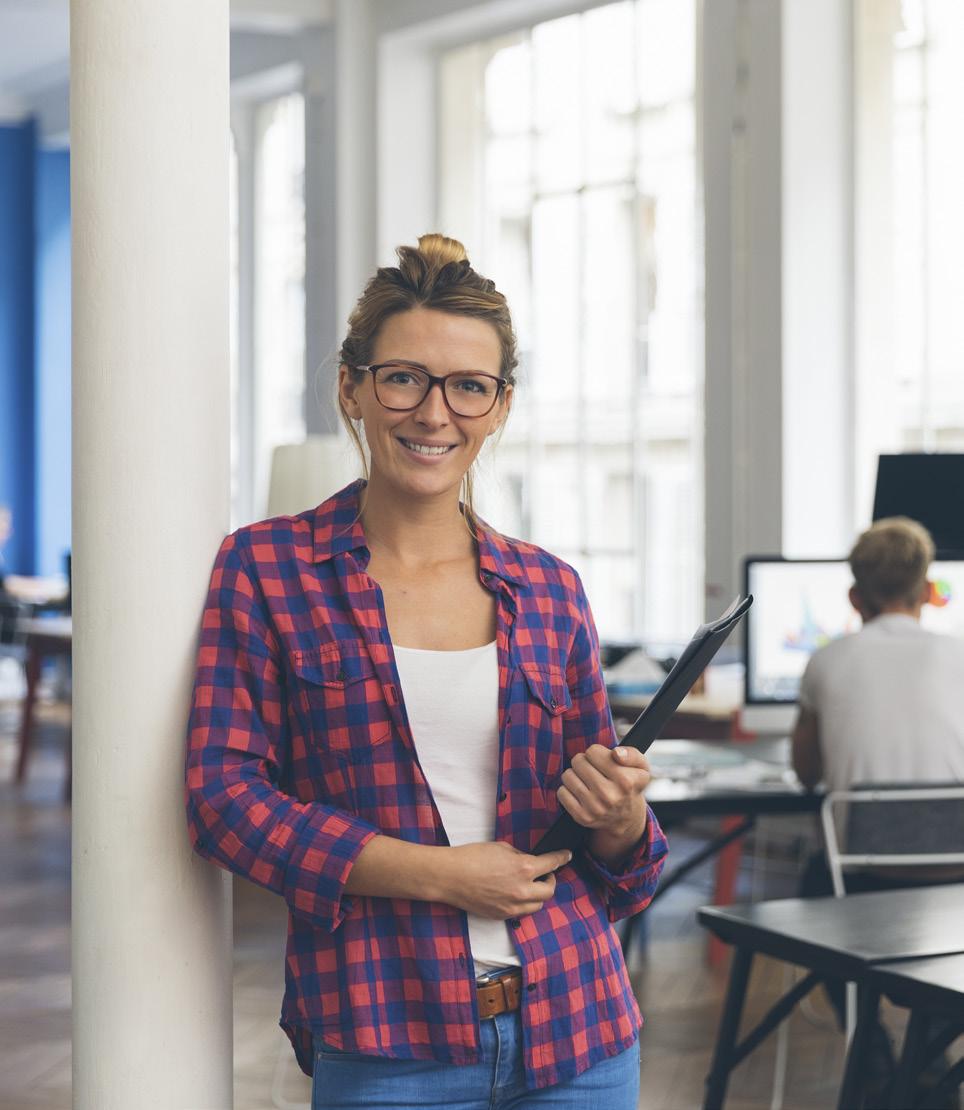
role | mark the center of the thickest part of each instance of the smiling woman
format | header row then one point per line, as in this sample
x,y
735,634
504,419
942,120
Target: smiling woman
x,y
393,701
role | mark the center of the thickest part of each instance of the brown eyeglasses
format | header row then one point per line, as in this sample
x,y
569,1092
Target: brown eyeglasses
x,y
403,386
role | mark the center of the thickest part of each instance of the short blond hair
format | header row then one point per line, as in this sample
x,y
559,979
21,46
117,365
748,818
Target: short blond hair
x,y
889,562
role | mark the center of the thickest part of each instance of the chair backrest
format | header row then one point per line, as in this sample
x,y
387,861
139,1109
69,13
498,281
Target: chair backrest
x,y
894,825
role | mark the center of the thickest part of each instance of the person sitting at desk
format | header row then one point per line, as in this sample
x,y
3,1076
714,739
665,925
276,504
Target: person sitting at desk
x,y
885,704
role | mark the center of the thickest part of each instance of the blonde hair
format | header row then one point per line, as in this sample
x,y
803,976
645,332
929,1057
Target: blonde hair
x,y
436,274
889,562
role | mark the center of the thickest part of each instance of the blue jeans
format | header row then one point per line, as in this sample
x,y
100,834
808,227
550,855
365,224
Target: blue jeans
x,y
349,1081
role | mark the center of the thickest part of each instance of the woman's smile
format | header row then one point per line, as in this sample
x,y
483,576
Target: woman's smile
x,y
425,449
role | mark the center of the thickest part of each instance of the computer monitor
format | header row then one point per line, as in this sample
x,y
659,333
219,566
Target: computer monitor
x,y
801,604
928,488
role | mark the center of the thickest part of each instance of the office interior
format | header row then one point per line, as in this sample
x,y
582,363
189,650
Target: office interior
x,y
728,231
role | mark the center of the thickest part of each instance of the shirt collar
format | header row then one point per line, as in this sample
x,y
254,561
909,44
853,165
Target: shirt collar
x,y
894,620
497,555
338,528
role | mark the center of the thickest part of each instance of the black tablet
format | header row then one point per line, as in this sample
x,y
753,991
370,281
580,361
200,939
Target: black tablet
x,y
706,641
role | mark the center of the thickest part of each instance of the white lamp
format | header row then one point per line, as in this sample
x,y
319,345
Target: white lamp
x,y
304,474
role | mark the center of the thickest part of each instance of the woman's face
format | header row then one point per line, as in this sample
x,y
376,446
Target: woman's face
x,y
444,344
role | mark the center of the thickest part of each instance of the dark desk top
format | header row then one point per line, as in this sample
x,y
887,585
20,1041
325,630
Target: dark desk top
x,y
692,778
937,984
843,936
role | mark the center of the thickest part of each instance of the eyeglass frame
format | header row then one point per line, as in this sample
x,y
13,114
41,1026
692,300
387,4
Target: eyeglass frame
x,y
433,380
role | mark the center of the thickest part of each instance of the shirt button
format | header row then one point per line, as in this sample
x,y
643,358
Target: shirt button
x,y
462,958
502,797
531,987
514,923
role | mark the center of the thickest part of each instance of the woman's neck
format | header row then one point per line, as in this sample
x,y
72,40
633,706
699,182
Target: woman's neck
x,y
414,530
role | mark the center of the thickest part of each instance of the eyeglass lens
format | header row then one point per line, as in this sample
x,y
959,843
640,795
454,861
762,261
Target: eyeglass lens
x,y
400,386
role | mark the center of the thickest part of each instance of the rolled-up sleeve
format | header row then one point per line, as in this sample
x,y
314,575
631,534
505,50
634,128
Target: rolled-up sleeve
x,y
236,749
589,721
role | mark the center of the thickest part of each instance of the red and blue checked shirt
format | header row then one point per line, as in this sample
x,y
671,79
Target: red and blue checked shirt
x,y
300,752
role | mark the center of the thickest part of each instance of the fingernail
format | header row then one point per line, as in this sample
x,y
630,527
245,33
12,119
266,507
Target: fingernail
x,y
621,752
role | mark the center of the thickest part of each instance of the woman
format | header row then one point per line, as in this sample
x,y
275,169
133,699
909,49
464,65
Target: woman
x,y
392,703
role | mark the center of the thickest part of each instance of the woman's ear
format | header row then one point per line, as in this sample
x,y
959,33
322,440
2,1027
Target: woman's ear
x,y
347,387
502,408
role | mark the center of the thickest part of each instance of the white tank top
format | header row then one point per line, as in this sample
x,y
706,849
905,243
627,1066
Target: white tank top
x,y
452,701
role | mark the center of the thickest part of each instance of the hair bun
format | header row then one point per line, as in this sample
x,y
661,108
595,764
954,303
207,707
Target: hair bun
x,y
440,250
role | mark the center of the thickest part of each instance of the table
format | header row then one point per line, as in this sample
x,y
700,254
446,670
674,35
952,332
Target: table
x,y
37,592
737,781
933,991
42,637
831,937
698,716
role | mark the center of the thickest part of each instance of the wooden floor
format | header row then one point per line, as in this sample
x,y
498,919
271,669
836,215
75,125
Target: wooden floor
x,y
678,994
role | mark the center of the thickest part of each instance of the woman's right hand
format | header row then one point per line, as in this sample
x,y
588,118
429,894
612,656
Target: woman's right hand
x,y
498,881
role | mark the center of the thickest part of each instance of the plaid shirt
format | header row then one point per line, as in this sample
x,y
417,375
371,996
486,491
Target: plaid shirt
x,y
300,752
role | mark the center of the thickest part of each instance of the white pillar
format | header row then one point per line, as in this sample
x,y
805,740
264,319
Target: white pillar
x,y
817,277
151,923
355,145
742,398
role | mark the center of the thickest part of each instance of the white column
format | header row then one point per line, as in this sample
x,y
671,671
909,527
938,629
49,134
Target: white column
x,y
355,145
817,277
151,923
741,180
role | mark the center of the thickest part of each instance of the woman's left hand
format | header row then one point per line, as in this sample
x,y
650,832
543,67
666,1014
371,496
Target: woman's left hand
x,y
603,790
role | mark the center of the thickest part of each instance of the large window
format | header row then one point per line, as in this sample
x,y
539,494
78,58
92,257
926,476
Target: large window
x,y
569,167
910,177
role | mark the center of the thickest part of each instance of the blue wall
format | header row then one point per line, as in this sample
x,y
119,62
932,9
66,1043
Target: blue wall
x,y
52,361
17,488
34,351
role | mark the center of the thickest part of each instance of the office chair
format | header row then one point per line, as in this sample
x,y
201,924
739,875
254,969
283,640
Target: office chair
x,y
892,825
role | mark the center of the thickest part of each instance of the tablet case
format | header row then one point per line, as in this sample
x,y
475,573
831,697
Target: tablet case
x,y
706,641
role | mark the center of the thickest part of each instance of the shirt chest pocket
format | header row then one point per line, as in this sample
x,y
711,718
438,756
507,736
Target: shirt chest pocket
x,y
340,695
547,701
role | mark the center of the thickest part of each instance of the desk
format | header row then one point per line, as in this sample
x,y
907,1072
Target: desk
x,y
933,991
738,782
697,717
42,638
839,937
37,592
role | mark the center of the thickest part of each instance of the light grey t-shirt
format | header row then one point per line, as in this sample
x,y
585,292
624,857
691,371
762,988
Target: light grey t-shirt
x,y
889,702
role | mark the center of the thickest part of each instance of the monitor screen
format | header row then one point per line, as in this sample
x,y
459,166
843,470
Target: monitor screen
x,y
928,488
800,605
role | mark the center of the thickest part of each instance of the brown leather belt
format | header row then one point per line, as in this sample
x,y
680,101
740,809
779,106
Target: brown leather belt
x,y
500,996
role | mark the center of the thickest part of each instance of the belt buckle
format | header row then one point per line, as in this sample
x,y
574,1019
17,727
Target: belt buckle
x,y
487,978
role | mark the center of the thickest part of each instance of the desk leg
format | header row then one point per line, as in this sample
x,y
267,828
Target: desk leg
x,y
718,1078
851,1088
32,672
724,886
915,1040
